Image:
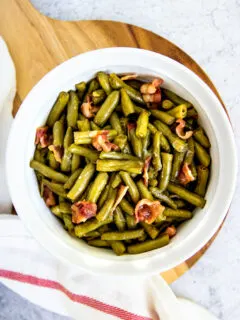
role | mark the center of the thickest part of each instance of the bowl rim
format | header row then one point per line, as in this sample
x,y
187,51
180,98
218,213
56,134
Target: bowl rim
x,y
50,241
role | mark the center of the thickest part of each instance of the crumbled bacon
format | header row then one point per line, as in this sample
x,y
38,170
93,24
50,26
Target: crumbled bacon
x,y
129,77
57,152
43,137
120,195
147,210
180,130
185,175
151,91
87,109
171,231
145,170
101,142
82,211
48,197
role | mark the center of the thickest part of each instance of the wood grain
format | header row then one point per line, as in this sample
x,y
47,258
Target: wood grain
x,y
38,44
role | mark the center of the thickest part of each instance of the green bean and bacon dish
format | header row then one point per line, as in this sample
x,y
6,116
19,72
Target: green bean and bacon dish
x,y
122,162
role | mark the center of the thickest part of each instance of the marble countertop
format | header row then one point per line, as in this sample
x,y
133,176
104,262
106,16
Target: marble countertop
x,y
209,32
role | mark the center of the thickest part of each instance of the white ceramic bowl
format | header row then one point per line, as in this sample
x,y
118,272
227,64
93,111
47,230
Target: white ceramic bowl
x,y
193,234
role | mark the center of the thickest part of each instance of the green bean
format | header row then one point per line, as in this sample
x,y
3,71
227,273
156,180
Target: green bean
x,y
55,187
94,126
97,187
57,108
190,152
67,219
167,104
67,156
105,211
131,222
148,245
48,172
163,116
92,235
179,112
72,179
202,174
117,181
142,238
72,109
152,173
167,159
58,134
118,247
82,182
83,125
93,85
202,155
52,161
142,124
152,129
135,142
192,113
144,192
177,163
90,225
76,161
132,188
56,211
117,156
98,96
119,219
126,207
151,230
99,243
178,213
117,165
180,204
122,142
39,155
146,143
187,195
156,159
153,182
200,136
124,235
65,207
175,98
115,123
164,143
178,144
81,88
103,79
136,84
163,197
139,109
103,197
117,83
193,170
103,229
85,137
85,152
126,103
107,108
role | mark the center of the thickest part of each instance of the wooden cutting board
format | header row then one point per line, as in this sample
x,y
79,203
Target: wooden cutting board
x,y
38,44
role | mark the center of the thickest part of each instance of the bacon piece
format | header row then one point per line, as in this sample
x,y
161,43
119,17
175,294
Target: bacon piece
x,y
101,142
145,170
43,137
151,91
87,109
48,197
157,82
82,211
171,231
147,210
180,130
120,195
57,152
129,77
185,176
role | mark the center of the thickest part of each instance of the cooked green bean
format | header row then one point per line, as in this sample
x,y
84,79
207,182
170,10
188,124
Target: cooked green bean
x,y
115,123
81,88
144,192
180,204
202,179
55,187
82,182
163,116
193,170
167,104
83,125
122,142
105,211
85,137
92,235
56,211
146,143
72,179
131,222
93,85
97,187
164,198
153,182
98,96
67,219
67,156
200,136
187,195
76,161
151,230
118,247
148,245
175,98
48,172
112,155
103,79
178,144
132,188
167,159
99,243
156,159
126,103
124,235
117,181
58,134
52,161
178,213
83,151
142,124
179,112
72,109
177,163
119,219
131,166
94,126
202,154
135,142
190,152
107,108
90,225
57,108
192,113
126,207
40,155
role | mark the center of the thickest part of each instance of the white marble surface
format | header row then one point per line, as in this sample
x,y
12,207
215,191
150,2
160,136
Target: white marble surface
x,y
208,30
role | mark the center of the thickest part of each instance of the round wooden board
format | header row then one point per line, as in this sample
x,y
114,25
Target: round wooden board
x,y
38,44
